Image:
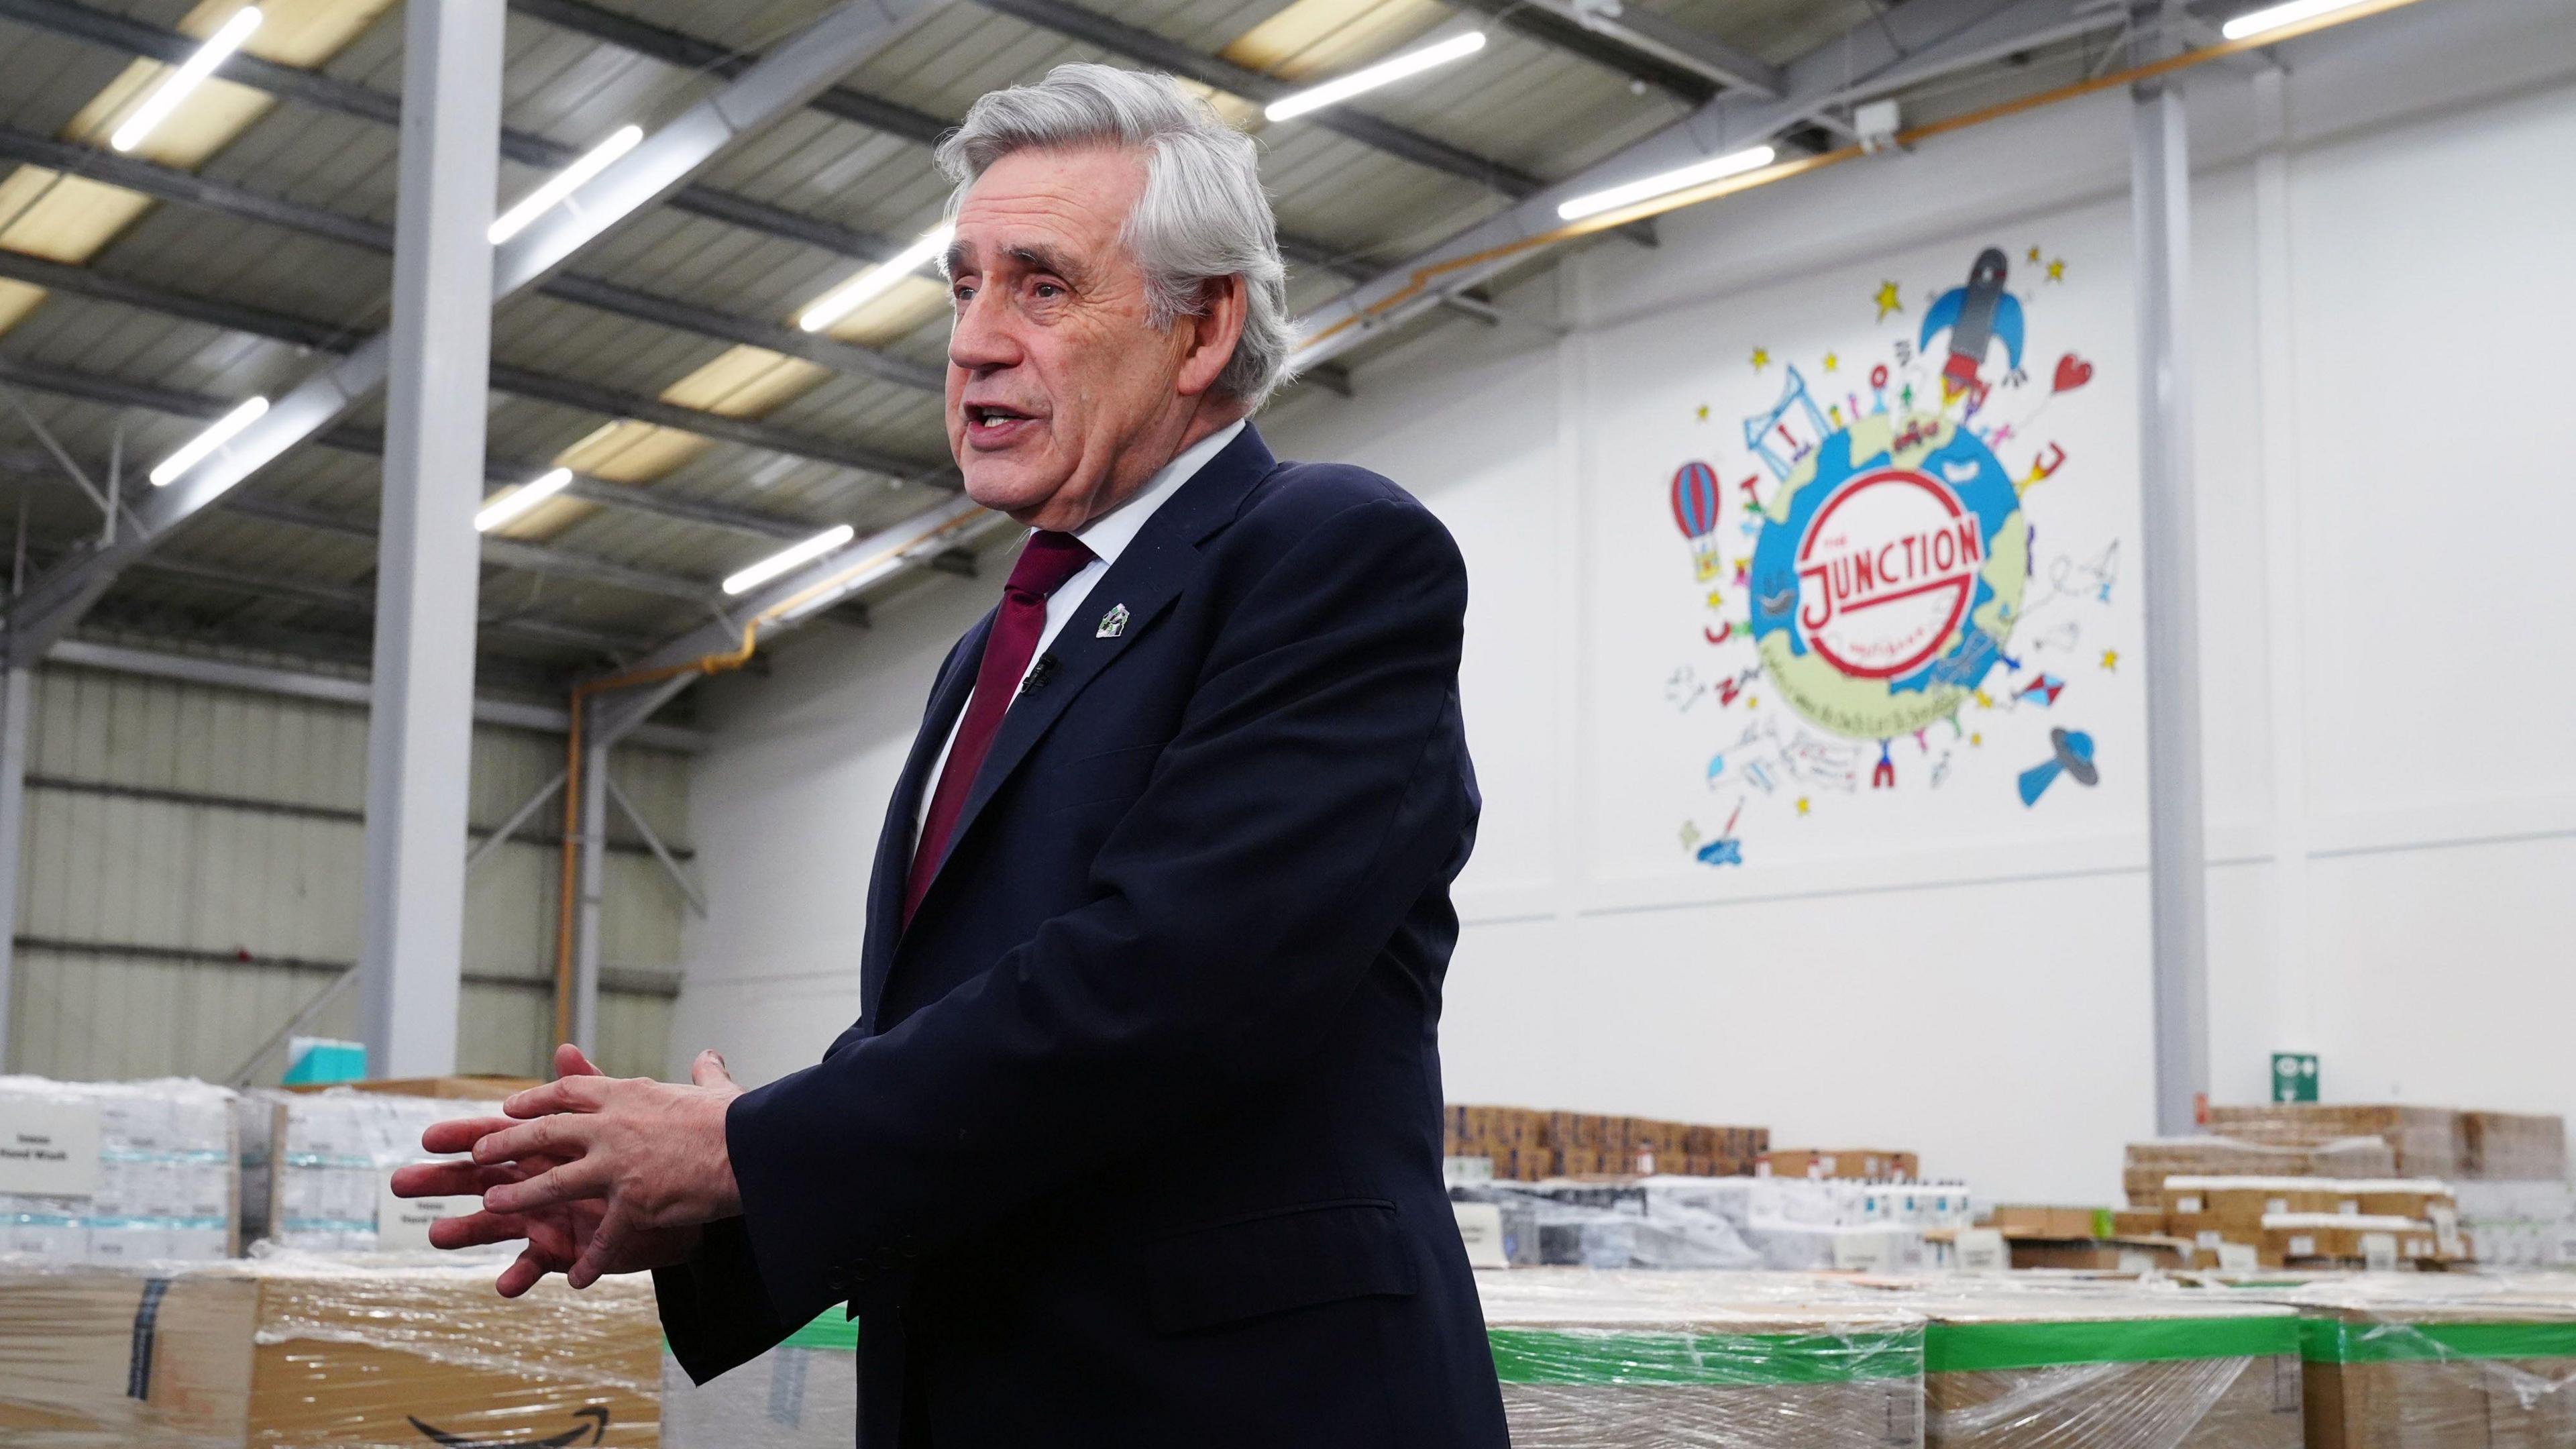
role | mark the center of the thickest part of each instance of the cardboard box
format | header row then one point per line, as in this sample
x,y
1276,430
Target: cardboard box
x,y
2427,1141
1609,1360
1851,1162
466,1088
321,1356
2051,1222
2511,1147
2432,1374
2014,1368
2137,1223
2293,1239
2113,1255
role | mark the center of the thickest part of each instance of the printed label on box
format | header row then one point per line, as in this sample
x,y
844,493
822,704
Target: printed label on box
x,y
2190,1204
2238,1258
2379,1252
49,1149
1480,1226
2303,1246
403,1222
1982,1250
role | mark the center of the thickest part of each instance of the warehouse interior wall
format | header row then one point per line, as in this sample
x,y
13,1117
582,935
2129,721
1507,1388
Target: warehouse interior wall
x,y
193,873
2379,316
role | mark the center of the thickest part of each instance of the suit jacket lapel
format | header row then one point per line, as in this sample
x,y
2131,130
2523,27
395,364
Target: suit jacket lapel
x,y
1145,579
894,843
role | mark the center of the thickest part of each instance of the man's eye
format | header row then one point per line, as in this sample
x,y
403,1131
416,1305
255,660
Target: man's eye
x,y
962,293
1047,289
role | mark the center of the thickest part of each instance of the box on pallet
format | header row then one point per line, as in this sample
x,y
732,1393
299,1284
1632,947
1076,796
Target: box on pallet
x,y
803,1394
2014,1368
304,1352
1853,1162
2428,1363
2427,1141
2511,1147
1643,1361
314,1165
115,1172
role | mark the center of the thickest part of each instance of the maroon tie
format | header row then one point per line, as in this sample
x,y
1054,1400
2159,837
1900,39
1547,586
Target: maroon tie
x,y
1047,561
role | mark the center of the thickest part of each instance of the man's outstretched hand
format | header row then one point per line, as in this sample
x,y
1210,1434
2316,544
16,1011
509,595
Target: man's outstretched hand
x,y
596,1174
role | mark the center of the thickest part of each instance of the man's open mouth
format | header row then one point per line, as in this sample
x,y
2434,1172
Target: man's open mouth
x,y
988,424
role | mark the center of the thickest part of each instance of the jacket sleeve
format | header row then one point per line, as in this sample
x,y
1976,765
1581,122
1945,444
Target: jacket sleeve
x,y
715,1313
1313,791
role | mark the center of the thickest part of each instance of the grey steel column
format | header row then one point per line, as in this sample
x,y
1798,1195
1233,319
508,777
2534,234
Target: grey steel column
x,y
594,867
420,736
2160,180
20,684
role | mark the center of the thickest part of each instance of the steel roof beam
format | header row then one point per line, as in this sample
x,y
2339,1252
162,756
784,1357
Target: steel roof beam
x,y
1120,38
1908,45
780,83
118,393
356,601
1645,33
326,92
535,558
1551,26
518,381
170,184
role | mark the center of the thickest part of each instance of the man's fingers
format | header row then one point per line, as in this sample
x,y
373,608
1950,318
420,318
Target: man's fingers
x,y
581,1093
525,1272
570,1062
560,1136
451,1179
476,1229
709,1070
567,1183
460,1134
607,1245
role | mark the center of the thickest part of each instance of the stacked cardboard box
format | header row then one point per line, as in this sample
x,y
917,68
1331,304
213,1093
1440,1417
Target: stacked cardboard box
x,y
2148,1164
2432,1363
2508,1147
1645,1361
2010,1368
1526,1145
2427,1141
1876,1164
2317,1221
314,1165
316,1355
116,1172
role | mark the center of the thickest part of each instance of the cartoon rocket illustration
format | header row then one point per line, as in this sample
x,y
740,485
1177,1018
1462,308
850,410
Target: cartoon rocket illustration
x,y
1975,314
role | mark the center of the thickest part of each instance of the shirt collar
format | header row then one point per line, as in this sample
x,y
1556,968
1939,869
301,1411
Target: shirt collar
x,y
1108,535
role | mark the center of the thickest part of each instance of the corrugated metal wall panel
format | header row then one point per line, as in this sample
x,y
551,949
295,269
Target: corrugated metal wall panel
x,y
171,826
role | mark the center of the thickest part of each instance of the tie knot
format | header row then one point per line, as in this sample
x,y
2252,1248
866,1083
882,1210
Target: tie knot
x,y
1047,561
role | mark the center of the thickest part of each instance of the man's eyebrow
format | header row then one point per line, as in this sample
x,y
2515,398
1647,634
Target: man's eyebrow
x,y
1039,257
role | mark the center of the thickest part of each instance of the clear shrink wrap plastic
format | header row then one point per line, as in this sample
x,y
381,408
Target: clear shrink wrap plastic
x,y
2433,1361
314,1163
803,1394
288,1351
1690,1360
2106,1366
158,1184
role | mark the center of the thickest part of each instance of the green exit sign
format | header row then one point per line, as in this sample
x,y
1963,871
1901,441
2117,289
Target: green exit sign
x,y
2294,1076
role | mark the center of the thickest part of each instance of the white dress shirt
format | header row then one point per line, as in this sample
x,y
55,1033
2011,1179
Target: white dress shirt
x,y
1107,537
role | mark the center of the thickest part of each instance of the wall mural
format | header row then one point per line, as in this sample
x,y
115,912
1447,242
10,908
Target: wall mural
x,y
1886,600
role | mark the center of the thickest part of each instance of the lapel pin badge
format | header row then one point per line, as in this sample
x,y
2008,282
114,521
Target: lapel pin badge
x,y
1112,624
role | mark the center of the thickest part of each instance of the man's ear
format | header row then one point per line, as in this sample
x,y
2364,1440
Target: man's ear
x,y
1213,333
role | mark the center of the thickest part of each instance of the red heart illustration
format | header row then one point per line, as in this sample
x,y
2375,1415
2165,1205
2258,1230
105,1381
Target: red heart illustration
x,y
2072,372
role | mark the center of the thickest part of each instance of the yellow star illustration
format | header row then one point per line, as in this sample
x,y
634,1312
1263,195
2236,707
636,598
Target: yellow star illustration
x,y
1703,412
1977,740
2034,254
1716,600
1832,361
2111,659
1888,300
1984,700
1761,358
1690,835
1752,701
2057,270
1802,804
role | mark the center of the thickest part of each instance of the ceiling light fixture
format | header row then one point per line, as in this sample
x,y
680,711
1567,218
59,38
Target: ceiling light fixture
x,y
197,449
2259,21
788,558
519,500
1385,72
875,282
1734,163
564,183
191,73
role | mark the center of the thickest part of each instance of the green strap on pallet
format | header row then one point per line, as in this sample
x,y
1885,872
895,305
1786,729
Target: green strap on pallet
x,y
834,1329
2331,1340
1967,1348
1585,1356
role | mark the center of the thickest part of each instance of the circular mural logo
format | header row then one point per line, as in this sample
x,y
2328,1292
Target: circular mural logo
x,y
1884,573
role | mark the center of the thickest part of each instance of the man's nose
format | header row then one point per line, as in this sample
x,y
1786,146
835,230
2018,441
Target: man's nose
x,y
981,338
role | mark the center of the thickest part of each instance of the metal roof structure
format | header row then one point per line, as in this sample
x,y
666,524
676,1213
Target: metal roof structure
x,y
247,242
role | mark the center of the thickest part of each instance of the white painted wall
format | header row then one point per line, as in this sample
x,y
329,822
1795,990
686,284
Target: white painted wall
x,y
2380,314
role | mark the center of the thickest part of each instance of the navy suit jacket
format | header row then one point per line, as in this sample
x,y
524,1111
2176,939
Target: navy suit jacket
x,y
1137,1138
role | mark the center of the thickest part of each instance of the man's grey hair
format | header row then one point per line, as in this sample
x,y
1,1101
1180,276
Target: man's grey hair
x,y
1203,213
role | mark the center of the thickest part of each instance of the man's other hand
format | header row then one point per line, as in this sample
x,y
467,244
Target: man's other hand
x,y
596,1175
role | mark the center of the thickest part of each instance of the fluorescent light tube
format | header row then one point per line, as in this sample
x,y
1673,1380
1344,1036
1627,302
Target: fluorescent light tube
x,y
196,449
875,282
191,73
788,558
564,183
1385,72
1734,163
2256,22
522,498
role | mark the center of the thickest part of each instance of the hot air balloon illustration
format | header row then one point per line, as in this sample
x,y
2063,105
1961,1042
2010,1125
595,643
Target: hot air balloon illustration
x,y
1697,505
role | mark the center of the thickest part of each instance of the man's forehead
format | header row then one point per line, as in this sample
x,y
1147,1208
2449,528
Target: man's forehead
x,y
1046,196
